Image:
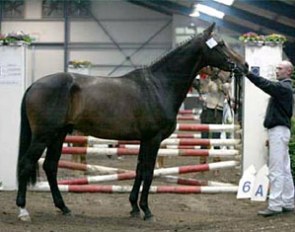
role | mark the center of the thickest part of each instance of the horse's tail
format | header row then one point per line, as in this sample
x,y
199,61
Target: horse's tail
x,y
24,143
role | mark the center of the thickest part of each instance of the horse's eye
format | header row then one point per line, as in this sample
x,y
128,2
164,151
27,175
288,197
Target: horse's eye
x,y
221,43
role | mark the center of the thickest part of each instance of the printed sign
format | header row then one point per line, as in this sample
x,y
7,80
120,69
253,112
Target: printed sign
x,y
11,66
261,184
255,70
246,183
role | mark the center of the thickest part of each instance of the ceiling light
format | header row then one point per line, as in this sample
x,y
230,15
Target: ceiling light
x,y
225,2
209,11
195,13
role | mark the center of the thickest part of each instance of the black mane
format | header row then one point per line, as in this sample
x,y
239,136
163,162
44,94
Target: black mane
x,y
163,58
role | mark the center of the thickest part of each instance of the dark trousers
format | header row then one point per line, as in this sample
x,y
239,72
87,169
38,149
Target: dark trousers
x,y
210,116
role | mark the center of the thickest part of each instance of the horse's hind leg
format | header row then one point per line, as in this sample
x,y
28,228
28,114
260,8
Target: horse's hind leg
x,y
50,167
27,172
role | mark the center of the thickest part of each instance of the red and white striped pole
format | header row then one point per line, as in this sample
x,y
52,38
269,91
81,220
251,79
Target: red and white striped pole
x,y
86,167
92,140
127,189
192,111
108,170
188,117
157,172
179,127
169,141
207,127
161,152
191,181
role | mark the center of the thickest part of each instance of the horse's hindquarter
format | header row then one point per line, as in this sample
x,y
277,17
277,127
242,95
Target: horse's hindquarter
x,y
119,108
47,102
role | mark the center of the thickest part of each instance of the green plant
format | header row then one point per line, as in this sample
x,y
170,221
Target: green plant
x,y
293,79
79,64
252,37
292,148
276,38
15,37
27,39
9,39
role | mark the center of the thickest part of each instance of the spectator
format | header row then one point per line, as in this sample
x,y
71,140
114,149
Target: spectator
x,y
216,88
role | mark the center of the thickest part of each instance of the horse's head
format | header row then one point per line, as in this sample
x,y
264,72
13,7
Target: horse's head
x,y
218,54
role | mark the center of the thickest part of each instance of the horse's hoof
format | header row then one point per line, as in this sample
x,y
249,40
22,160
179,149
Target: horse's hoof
x,y
25,218
135,214
24,215
149,218
66,211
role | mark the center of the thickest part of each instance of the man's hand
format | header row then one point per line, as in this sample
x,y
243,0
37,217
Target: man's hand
x,y
242,69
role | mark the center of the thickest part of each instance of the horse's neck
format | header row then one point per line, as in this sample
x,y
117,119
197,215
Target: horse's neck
x,y
175,77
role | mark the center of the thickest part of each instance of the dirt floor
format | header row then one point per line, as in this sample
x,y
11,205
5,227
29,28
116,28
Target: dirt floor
x,y
173,212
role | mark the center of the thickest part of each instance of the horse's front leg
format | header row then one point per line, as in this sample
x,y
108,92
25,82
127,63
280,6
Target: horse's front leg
x,y
133,197
149,150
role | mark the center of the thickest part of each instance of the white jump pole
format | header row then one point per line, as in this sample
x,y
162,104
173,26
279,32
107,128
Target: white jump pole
x,y
12,87
262,60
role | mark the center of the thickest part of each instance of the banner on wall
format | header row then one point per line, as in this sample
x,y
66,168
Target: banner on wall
x,y
11,68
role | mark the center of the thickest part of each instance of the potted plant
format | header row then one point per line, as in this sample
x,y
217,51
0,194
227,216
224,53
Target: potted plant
x,y
251,38
11,39
2,39
275,39
76,64
18,38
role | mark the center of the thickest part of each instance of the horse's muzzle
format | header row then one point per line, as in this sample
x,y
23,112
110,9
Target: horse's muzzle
x,y
232,65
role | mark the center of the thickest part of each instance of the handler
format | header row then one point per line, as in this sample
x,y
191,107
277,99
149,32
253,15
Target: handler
x,y
278,123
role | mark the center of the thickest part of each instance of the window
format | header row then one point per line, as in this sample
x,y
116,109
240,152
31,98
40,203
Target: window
x,y
55,8
13,9
79,8
52,8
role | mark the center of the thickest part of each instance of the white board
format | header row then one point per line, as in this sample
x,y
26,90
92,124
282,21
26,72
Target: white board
x,y
12,87
263,59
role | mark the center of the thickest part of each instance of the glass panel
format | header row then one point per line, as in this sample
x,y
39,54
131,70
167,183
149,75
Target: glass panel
x,y
79,8
13,9
52,8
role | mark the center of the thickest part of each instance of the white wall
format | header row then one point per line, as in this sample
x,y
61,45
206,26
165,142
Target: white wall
x,y
129,25
43,31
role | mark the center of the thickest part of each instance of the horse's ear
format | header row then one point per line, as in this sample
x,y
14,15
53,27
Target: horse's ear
x,y
209,30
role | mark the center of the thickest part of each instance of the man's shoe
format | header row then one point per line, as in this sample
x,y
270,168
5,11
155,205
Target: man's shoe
x,y
268,212
288,210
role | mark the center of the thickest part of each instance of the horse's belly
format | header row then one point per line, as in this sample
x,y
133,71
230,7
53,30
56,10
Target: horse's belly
x,y
115,129
120,128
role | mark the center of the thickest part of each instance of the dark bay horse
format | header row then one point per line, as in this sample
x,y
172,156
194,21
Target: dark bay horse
x,y
141,105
